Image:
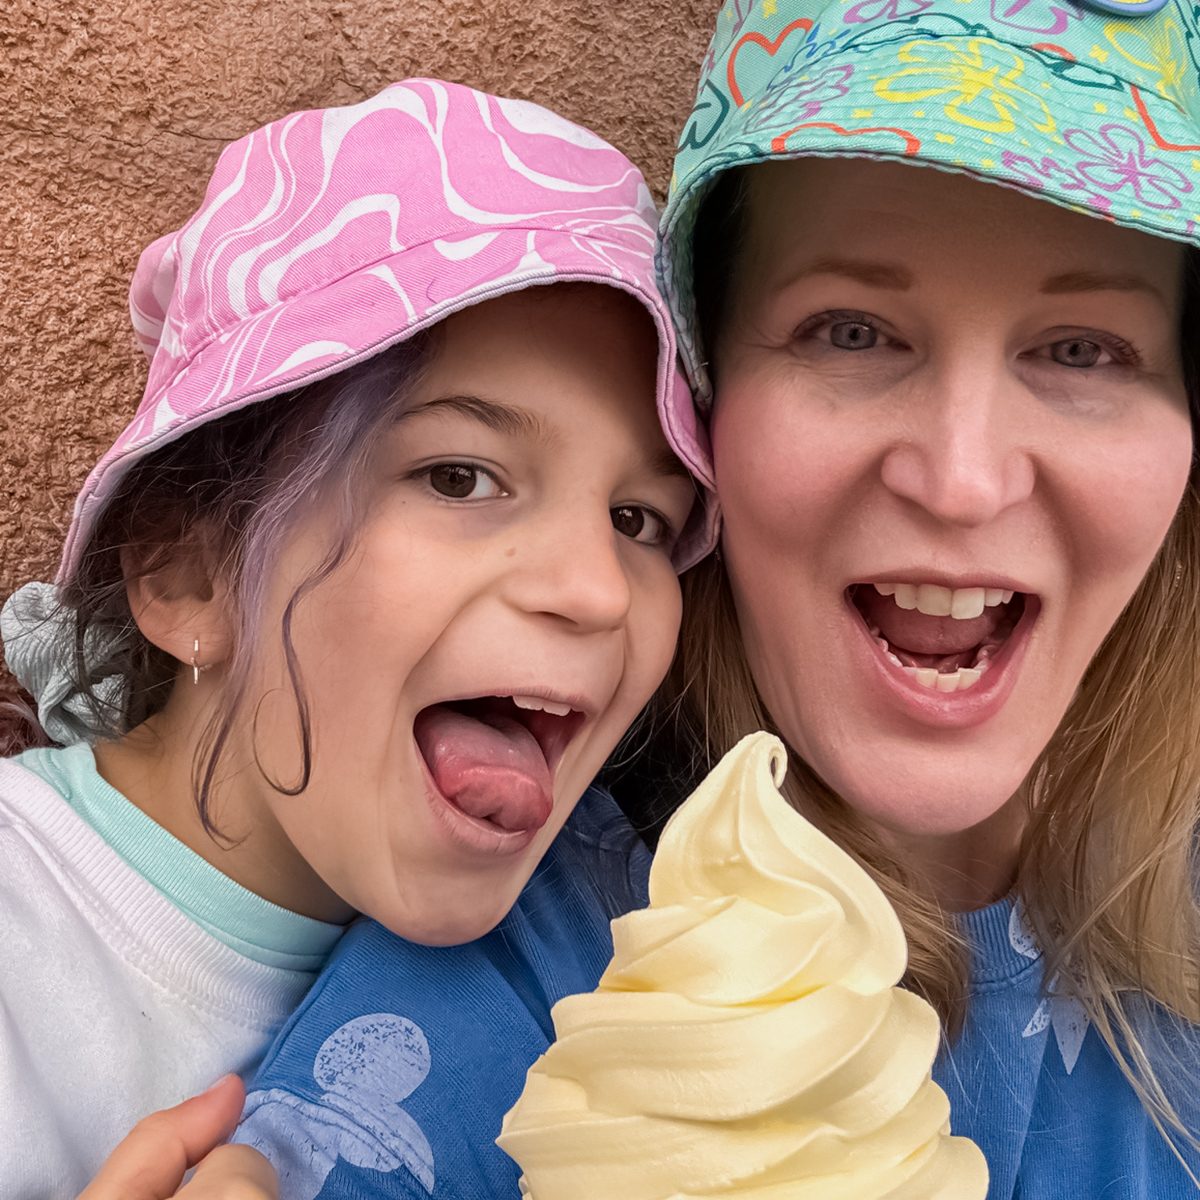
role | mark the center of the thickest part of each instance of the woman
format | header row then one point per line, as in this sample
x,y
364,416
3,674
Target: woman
x,y
953,434
959,573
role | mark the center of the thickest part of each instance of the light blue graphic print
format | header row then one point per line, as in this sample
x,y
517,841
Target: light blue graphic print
x,y
1064,1014
366,1069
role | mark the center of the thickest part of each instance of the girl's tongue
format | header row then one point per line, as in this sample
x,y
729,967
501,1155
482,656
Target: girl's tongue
x,y
915,633
489,767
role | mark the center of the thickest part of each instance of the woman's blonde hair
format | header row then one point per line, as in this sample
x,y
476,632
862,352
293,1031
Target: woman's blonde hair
x,y
1107,866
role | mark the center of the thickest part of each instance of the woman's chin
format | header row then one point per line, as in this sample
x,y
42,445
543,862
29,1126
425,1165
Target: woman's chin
x,y
930,793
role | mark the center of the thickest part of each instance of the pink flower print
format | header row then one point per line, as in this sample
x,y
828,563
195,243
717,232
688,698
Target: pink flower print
x,y
1050,173
866,11
800,98
1047,17
1117,158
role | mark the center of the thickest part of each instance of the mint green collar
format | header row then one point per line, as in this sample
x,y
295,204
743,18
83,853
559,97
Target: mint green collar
x,y
247,923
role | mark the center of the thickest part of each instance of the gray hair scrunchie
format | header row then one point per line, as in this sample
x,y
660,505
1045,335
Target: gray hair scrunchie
x,y
39,646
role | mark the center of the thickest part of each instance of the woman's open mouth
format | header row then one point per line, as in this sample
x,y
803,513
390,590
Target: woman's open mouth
x,y
958,644
491,762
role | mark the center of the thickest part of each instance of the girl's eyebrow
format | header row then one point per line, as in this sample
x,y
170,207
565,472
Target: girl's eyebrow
x,y
502,418
666,463
507,419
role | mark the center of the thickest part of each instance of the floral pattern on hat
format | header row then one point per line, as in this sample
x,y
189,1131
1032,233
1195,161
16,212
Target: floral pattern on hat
x,y
1094,111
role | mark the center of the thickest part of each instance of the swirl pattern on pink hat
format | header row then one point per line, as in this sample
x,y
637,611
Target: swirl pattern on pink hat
x,y
329,235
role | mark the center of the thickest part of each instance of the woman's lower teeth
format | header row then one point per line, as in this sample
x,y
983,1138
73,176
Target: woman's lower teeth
x,y
946,681
958,680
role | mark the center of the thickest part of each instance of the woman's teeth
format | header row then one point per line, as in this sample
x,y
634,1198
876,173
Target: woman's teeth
x,y
963,604
950,681
930,677
938,658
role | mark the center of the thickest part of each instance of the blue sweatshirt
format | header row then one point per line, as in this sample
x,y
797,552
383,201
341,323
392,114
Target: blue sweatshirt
x,y
1041,1094
393,1077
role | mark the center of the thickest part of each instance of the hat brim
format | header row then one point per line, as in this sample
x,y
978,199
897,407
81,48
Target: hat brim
x,y
1104,147
366,312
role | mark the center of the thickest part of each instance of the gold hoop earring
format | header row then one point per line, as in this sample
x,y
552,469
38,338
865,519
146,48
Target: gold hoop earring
x,y
197,669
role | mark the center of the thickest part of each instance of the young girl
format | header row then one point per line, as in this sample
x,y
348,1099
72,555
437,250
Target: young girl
x,y
358,604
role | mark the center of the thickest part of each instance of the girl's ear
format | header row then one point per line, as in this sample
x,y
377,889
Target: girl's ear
x,y
181,605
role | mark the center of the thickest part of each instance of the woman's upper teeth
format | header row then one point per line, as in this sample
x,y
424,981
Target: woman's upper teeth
x,y
933,600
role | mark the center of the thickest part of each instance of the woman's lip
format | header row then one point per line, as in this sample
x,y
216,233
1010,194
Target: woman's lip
x,y
963,582
948,710
469,832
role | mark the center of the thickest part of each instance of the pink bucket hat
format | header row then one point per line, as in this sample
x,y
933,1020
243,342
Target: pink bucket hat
x,y
330,235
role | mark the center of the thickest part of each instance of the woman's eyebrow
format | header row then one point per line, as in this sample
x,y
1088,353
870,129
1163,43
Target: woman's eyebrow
x,y
1096,281
889,276
497,416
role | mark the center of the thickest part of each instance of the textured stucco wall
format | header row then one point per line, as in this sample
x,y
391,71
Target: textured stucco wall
x,y
112,113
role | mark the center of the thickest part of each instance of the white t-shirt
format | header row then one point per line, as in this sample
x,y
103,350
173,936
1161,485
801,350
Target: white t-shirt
x,y
113,1003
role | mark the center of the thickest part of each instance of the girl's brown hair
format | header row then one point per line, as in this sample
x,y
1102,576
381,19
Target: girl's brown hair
x,y
1107,868
229,492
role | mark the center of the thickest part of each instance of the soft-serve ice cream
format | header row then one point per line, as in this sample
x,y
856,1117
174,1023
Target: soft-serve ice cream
x,y
748,1039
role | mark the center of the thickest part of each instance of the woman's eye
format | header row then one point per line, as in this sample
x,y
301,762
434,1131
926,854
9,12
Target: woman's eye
x,y
853,335
1079,352
842,329
640,524
462,481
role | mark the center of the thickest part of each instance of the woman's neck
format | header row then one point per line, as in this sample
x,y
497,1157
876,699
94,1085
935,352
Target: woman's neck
x,y
970,869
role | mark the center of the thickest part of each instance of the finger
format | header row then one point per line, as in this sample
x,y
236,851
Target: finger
x,y
151,1162
232,1173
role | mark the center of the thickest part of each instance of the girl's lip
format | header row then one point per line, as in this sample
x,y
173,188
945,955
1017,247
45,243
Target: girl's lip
x,y
469,832
949,710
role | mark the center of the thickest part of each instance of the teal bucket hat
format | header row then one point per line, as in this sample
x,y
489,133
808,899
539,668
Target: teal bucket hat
x,y
1095,110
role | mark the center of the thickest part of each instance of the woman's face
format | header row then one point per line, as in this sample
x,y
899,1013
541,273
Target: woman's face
x,y
950,433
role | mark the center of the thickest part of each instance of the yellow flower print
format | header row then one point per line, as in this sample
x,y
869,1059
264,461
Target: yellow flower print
x,y
1156,47
978,78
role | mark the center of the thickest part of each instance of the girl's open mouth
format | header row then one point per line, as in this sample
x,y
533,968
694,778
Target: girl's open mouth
x,y
492,759
954,643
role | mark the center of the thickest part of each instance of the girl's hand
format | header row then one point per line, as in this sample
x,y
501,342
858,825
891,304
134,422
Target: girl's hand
x,y
151,1162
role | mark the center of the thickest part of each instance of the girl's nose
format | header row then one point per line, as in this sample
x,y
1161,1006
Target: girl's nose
x,y
964,455
574,571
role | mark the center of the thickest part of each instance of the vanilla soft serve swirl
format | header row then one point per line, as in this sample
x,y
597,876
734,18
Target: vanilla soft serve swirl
x,y
748,1039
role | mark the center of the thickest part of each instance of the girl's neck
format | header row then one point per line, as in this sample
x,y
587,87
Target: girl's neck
x,y
152,766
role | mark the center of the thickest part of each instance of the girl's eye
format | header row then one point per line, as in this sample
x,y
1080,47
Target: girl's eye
x,y
462,481
1079,352
640,524
853,335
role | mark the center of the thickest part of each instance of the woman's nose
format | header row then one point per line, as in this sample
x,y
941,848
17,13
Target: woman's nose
x,y
573,569
963,453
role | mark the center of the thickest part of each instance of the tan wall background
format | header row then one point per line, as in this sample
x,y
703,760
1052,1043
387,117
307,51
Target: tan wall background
x,y
112,115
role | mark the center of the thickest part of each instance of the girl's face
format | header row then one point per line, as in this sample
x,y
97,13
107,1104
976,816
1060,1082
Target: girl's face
x,y
509,607
950,433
